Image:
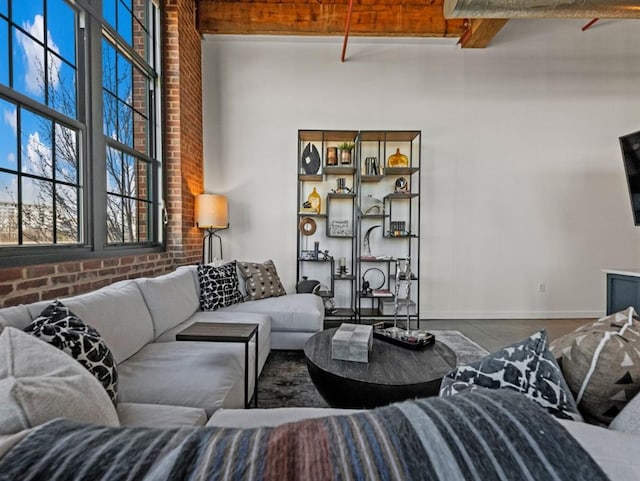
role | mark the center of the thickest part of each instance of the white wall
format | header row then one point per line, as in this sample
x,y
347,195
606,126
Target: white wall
x,y
522,176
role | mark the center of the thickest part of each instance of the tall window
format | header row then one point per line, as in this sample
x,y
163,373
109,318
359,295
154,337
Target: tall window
x,y
129,87
67,177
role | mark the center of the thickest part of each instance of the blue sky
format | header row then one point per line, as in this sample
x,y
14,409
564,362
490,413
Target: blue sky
x,y
57,26
120,20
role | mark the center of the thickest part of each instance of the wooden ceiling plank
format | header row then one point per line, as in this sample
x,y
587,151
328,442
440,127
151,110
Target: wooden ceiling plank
x,y
481,32
293,17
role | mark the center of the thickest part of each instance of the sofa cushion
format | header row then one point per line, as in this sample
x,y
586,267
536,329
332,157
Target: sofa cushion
x,y
292,312
629,418
15,316
257,418
261,280
617,453
120,315
184,373
39,383
160,416
527,367
602,368
263,321
61,328
218,286
171,299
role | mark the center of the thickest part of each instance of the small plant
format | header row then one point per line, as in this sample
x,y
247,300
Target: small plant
x,y
346,146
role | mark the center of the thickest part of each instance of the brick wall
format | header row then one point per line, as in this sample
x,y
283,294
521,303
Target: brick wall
x,y
184,179
183,125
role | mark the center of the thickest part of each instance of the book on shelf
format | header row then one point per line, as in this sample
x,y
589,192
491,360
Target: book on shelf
x,y
381,293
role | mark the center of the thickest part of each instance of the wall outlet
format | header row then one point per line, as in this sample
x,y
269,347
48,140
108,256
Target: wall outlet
x,y
542,287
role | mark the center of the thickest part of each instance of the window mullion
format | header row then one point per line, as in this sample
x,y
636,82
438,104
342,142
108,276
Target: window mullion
x,y
96,167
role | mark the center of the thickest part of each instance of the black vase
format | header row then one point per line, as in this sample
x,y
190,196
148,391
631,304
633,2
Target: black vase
x,y
310,159
306,286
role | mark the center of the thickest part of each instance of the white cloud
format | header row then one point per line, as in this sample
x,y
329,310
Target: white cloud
x,y
11,119
33,55
38,156
30,192
11,158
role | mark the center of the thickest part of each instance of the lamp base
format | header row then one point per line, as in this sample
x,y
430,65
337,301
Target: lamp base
x,y
207,241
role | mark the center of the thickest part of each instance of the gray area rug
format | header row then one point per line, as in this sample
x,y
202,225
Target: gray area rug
x,y
285,381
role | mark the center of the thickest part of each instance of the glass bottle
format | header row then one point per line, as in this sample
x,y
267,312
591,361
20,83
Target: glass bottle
x,y
398,160
315,200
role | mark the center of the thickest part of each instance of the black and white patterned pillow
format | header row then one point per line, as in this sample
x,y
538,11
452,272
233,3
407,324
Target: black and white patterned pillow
x,y
61,328
218,286
527,367
261,280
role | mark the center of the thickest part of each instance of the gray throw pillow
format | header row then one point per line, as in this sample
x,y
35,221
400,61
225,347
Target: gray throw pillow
x,y
61,328
261,280
39,383
527,367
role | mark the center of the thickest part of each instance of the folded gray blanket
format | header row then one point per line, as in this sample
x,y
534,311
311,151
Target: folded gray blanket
x,y
480,435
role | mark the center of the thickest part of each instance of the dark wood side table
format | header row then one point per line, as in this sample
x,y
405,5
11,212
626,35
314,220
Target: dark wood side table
x,y
228,332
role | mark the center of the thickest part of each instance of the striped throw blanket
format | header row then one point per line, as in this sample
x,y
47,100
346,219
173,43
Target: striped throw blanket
x,y
479,435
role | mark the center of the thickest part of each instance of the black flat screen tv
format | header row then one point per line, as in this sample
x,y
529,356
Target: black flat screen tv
x,y
630,145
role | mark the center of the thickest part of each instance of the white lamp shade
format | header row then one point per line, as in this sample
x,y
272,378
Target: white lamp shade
x,y
212,211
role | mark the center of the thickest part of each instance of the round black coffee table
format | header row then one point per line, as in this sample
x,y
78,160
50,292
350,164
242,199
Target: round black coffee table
x,y
393,373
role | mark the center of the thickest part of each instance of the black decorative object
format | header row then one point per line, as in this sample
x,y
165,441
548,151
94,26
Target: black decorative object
x,y
376,285
310,159
306,285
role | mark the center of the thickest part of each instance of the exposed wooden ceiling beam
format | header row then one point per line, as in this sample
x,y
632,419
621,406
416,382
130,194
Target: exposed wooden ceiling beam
x,y
413,18
481,31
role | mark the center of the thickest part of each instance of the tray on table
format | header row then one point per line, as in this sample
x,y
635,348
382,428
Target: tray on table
x,y
414,339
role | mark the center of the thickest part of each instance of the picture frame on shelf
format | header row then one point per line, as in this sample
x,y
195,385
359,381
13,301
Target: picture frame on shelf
x,y
340,228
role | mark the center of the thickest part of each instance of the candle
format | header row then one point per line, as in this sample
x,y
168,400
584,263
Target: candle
x,y
342,262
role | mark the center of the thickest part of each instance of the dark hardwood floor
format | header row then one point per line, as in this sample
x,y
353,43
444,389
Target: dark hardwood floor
x,y
493,334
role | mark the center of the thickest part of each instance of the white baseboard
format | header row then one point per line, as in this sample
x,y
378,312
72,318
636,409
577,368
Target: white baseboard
x,y
510,314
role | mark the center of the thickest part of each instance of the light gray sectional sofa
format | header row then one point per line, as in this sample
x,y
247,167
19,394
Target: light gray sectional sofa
x,y
138,319
294,317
